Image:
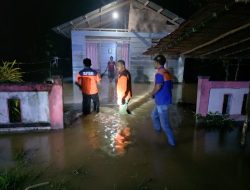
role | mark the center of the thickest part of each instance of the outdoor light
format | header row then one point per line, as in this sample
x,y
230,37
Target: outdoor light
x,y
115,15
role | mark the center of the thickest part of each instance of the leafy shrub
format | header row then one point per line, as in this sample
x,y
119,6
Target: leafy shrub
x,y
213,121
9,72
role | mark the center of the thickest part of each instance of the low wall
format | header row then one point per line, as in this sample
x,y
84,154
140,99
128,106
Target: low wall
x,y
41,106
211,97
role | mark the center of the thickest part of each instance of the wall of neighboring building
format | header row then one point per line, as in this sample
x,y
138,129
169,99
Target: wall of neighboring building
x,y
214,96
41,106
31,102
235,100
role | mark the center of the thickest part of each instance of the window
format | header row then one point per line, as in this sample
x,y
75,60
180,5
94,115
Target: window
x,y
14,110
226,104
244,105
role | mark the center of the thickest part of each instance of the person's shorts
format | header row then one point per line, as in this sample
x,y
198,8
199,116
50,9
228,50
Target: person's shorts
x,y
111,75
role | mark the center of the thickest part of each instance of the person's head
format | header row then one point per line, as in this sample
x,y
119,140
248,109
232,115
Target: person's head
x,y
87,62
120,65
160,60
111,58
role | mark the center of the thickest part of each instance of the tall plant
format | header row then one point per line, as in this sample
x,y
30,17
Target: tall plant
x,y
9,72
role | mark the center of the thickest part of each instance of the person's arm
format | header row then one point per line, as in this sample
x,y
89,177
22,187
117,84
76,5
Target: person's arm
x,y
115,66
102,74
78,81
98,78
157,87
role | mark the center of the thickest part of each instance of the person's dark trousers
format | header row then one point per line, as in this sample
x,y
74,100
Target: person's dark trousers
x,y
96,102
86,100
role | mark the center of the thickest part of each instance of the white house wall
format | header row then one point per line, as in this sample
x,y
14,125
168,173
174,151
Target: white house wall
x,y
104,56
216,100
139,43
34,106
176,68
78,51
138,60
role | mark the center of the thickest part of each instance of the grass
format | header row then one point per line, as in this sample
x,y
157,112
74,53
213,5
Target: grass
x,y
22,176
13,178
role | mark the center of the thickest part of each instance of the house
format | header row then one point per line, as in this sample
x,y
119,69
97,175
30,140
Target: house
x,y
123,29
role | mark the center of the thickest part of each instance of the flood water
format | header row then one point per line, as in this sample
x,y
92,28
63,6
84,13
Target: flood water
x,y
116,152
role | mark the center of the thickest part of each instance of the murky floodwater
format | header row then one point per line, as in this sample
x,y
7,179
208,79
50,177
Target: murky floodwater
x,y
109,151
116,152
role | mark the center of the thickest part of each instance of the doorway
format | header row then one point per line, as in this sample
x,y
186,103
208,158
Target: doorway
x,y
100,51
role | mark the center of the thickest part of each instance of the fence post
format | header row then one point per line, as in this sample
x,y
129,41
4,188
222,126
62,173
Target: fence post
x,y
245,125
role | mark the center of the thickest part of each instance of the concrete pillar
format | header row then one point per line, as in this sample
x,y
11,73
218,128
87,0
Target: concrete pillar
x,y
56,105
180,70
203,90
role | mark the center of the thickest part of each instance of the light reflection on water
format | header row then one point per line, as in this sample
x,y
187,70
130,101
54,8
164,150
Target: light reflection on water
x,y
115,133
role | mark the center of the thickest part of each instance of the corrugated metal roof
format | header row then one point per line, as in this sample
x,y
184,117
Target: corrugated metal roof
x,y
218,30
102,17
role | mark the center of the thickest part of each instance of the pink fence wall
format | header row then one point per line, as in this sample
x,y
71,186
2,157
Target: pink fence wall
x,y
210,96
48,103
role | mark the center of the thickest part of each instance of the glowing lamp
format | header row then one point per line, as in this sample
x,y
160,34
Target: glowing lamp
x,y
115,15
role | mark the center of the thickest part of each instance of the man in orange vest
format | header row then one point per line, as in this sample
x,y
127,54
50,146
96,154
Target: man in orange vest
x,y
123,87
87,80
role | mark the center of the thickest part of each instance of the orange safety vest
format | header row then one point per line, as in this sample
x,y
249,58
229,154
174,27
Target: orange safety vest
x,y
124,86
88,79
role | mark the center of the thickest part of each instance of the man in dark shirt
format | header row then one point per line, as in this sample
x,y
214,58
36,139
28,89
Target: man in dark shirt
x,y
111,69
87,79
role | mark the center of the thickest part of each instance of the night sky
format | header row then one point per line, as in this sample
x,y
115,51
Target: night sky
x,y
26,33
